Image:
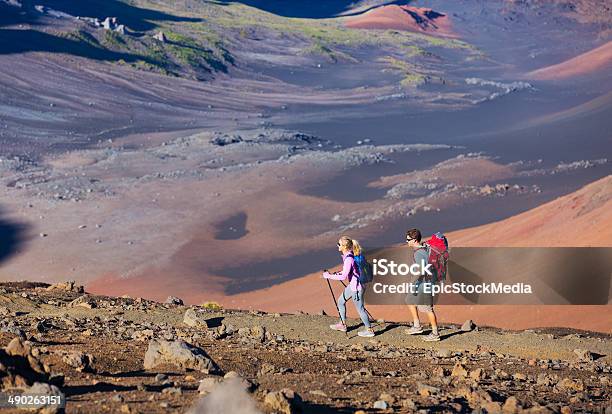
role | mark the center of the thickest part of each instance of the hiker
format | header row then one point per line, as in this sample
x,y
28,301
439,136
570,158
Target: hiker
x,y
354,288
425,300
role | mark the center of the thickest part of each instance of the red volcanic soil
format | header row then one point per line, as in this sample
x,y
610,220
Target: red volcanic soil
x,y
592,61
587,212
415,19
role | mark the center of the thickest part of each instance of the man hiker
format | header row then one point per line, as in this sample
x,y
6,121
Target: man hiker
x,y
424,300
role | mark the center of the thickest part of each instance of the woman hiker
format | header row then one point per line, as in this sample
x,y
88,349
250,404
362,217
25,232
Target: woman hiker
x,y
353,290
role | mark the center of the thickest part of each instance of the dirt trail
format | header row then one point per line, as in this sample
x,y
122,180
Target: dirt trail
x,y
545,371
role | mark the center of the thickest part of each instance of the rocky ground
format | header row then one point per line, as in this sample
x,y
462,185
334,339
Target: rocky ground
x,y
122,354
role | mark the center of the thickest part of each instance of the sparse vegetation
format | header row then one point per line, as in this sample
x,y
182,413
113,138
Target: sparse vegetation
x,y
113,40
326,31
329,53
189,51
81,36
412,74
214,306
200,48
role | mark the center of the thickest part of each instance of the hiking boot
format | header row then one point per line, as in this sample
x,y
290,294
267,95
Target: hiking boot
x,y
366,333
432,337
414,330
338,327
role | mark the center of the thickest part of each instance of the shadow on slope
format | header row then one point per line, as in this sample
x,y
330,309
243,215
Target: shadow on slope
x,y
19,41
311,9
133,17
12,237
10,15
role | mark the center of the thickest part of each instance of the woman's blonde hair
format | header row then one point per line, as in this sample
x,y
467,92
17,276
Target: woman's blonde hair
x,y
356,248
346,242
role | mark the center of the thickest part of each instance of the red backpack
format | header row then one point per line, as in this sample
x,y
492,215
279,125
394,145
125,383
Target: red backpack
x,y
437,248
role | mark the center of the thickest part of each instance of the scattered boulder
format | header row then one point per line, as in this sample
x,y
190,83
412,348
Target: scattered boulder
x,y
409,404
208,384
225,139
388,398
14,331
475,398
477,374
172,391
236,379
180,354
257,333
84,301
544,380
79,361
380,405
459,370
17,348
285,401
68,286
363,372
143,335
18,367
266,369
570,384
426,390
443,353
584,355
41,326
511,405
160,36
440,371
468,326
173,300
110,23
194,319
43,405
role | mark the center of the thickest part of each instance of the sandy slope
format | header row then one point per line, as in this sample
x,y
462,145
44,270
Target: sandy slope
x,y
588,211
416,19
586,63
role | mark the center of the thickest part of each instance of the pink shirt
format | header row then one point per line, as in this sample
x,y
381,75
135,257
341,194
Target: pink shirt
x,y
347,272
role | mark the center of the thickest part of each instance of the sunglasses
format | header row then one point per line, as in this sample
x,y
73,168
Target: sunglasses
x,y
338,244
408,239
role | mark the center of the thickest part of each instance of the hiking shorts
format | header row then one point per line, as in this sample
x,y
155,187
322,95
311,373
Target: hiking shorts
x,y
423,300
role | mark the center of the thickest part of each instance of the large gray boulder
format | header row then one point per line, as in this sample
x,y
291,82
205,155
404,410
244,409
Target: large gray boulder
x,y
47,405
84,301
194,319
173,300
285,401
180,354
79,361
19,368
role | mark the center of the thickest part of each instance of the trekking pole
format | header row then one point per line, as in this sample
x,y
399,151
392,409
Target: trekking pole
x,y
367,311
338,309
